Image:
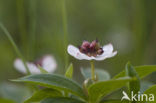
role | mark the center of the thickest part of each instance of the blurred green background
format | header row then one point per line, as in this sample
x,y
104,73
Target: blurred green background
x,y
37,28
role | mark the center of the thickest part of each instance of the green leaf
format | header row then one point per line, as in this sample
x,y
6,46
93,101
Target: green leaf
x,y
102,74
54,81
69,72
61,100
42,70
111,101
101,89
151,90
14,92
141,70
132,85
145,85
42,94
2,100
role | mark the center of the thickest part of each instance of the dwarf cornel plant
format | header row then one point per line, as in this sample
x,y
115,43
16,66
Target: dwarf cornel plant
x,y
62,89
97,85
54,88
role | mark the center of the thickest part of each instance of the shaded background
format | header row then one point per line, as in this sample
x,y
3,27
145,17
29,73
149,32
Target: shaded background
x,y
37,28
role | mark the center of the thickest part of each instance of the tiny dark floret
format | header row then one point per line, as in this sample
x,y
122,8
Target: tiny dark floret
x,y
91,49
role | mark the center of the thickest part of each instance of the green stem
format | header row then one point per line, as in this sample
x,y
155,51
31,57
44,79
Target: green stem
x,y
14,46
65,30
92,70
32,26
22,23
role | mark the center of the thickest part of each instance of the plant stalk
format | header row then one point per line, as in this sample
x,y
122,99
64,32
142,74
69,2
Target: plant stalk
x,y
14,46
21,19
32,26
65,30
92,70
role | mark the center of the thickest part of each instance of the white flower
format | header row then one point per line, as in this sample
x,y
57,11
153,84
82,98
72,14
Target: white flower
x,y
47,62
107,53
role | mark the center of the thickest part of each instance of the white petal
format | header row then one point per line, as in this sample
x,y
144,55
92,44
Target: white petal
x,y
73,51
18,64
108,48
105,56
49,63
33,68
108,52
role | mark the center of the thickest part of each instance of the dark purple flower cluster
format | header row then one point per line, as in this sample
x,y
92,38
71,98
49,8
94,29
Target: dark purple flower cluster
x,y
91,49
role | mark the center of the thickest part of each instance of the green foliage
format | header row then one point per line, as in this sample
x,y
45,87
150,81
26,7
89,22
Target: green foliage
x,y
69,72
145,85
101,89
61,89
135,84
111,101
151,90
102,75
142,71
2,100
42,70
14,92
55,82
42,94
61,100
